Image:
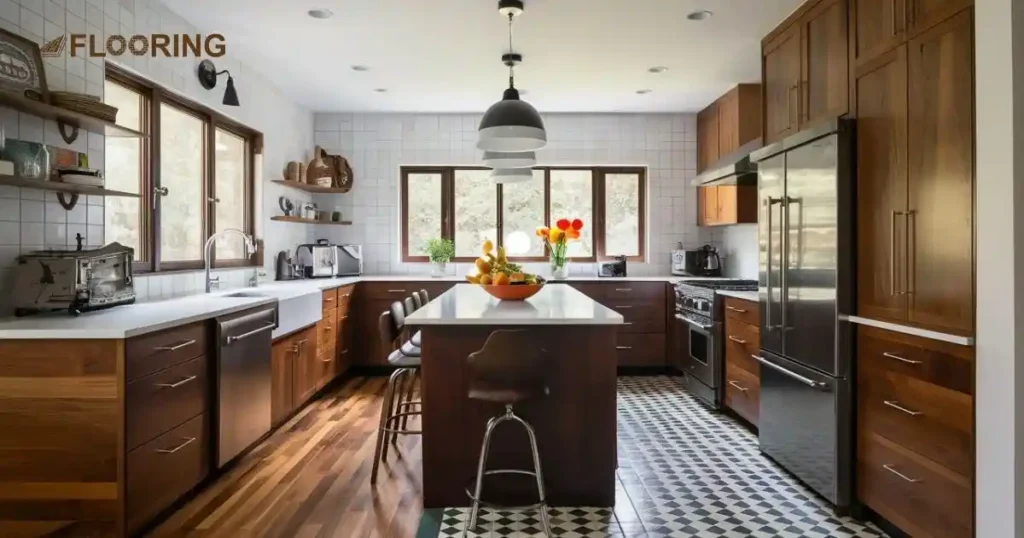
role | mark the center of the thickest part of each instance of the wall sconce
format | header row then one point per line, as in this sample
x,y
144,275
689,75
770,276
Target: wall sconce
x,y
207,75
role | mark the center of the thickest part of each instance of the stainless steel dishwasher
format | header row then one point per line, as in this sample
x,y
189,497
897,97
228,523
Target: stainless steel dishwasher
x,y
243,379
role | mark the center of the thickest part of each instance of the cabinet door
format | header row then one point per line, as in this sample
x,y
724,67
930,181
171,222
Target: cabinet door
x,y
881,107
781,84
824,86
923,14
707,137
729,122
305,371
344,355
941,176
281,357
709,205
727,198
878,26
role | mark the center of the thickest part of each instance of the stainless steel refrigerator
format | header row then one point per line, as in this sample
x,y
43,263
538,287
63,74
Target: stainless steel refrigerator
x,y
806,242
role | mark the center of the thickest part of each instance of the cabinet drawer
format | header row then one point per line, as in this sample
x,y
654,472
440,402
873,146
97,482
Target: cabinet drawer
x,y
327,330
647,292
151,353
919,496
330,298
326,366
743,311
933,421
741,341
640,349
396,291
345,295
940,363
591,289
164,469
159,402
640,316
743,393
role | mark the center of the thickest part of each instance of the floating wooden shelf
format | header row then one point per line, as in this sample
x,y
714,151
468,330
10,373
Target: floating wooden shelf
x,y
68,117
303,186
282,218
56,186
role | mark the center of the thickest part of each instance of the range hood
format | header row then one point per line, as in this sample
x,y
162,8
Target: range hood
x,y
733,169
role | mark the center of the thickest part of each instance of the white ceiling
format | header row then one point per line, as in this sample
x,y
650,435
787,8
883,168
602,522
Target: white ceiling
x,y
445,55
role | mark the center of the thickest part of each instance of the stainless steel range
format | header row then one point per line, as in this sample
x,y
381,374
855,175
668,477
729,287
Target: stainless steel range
x,y
699,310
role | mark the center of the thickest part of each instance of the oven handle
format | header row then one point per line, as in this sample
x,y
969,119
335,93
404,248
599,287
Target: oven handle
x,y
694,323
789,373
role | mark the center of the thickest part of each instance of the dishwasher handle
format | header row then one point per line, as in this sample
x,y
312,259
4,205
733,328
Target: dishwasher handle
x,y
232,339
791,374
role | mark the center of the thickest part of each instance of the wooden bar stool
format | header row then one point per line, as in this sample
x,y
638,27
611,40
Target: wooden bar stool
x,y
509,369
394,413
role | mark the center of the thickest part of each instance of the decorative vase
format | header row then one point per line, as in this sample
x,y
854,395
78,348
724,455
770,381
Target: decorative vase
x,y
559,267
438,269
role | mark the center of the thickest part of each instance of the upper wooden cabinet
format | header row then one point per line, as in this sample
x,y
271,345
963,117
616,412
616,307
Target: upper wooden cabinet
x,y
728,123
878,26
805,68
719,205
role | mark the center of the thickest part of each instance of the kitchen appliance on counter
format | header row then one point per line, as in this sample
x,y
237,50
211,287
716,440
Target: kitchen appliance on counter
x,y
699,311
806,283
243,380
349,260
284,269
615,268
318,260
73,280
702,262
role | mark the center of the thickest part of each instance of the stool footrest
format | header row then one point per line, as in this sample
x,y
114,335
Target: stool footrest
x,y
469,492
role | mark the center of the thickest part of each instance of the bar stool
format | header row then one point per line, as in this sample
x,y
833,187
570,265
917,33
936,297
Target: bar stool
x,y
509,369
406,357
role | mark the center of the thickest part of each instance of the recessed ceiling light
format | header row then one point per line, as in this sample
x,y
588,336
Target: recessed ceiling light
x,y
381,90
320,13
657,69
644,91
700,15
360,68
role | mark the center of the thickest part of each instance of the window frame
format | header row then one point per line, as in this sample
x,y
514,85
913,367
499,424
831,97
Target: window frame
x,y
599,202
153,97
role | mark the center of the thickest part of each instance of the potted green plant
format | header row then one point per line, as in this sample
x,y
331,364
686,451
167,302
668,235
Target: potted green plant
x,y
440,252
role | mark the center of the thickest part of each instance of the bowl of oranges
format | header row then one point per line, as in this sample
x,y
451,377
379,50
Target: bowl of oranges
x,y
502,279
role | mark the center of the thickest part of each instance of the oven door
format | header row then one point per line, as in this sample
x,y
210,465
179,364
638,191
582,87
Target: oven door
x,y
701,352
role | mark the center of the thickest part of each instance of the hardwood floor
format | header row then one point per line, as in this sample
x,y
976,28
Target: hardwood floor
x,y
311,478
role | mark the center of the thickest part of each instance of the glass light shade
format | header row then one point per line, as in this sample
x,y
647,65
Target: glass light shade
x,y
512,175
497,159
511,125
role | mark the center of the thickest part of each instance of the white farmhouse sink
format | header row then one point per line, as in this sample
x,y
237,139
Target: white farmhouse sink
x,y
297,306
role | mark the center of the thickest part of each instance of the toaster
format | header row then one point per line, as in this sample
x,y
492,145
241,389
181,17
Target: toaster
x,y
74,280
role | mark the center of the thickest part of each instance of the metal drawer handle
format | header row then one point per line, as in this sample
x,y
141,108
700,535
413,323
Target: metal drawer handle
x,y
175,347
889,468
396,291
243,336
188,441
326,360
623,347
328,328
734,309
901,359
624,289
627,322
896,405
737,340
738,387
793,375
346,295
328,299
176,385
623,306
344,351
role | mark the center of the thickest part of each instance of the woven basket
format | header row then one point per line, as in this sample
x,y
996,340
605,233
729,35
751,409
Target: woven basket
x,y
90,105
318,169
341,171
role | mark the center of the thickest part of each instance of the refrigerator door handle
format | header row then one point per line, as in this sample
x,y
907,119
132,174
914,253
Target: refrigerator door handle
x,y
769,203
789,373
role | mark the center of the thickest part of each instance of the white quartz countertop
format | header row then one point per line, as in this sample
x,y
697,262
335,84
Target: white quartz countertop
x,y
745,295
468,304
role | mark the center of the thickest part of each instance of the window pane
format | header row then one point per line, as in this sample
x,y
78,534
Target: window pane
x,y
572,198
622,214
181,172
424,204
522,212
476,211
230,190
122,218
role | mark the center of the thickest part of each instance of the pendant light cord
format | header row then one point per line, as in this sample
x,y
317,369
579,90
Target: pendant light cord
x,y
511,65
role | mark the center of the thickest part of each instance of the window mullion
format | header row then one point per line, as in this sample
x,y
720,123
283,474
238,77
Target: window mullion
x,y
500,224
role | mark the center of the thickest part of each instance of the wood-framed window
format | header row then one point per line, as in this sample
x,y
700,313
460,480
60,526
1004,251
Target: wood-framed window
x,y
194,174
461,203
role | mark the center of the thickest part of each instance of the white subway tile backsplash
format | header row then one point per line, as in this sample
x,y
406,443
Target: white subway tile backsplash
x,y
32,233
33,211
10,234
55,213
95,215
10,210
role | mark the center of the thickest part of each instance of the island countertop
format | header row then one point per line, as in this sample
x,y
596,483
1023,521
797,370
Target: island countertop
x,y
469,304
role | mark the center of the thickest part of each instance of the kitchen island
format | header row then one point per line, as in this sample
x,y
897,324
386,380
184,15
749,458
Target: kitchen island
x,y
575,423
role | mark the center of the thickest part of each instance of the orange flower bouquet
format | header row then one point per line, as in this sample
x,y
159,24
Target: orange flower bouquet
x,y
557,239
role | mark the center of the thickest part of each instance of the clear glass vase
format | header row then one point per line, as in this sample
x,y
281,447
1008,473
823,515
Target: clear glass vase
x,y
559,268
438,269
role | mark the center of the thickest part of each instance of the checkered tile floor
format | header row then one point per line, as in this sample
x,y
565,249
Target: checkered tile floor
x,y
683,471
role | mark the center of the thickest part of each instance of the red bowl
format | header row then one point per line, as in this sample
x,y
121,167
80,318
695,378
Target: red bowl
x,y
518,292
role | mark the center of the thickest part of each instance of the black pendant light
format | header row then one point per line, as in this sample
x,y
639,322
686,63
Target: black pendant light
x,y
207,74
511,125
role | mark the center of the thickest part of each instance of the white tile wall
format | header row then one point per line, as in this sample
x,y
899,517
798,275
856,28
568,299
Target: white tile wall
x,y
31,219
378,144
738,248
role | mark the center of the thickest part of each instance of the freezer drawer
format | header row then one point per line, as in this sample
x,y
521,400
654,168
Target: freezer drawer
x,y
804,425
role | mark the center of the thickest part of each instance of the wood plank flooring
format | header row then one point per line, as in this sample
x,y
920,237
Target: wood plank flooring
x,y
311,478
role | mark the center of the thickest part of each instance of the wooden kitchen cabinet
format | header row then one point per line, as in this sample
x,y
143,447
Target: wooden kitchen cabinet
x,y
915,181
924,14
281,357
720,205
805,68
305,366
728,123
371,300
707,137
876,27
742,376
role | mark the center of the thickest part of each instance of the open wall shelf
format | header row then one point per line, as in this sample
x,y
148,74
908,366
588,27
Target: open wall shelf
x,y
282,218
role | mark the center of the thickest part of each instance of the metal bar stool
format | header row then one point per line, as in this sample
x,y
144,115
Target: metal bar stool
x,y
406,357
509,369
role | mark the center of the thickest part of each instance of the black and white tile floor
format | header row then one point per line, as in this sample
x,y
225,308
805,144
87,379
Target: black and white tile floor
x,y
683,471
